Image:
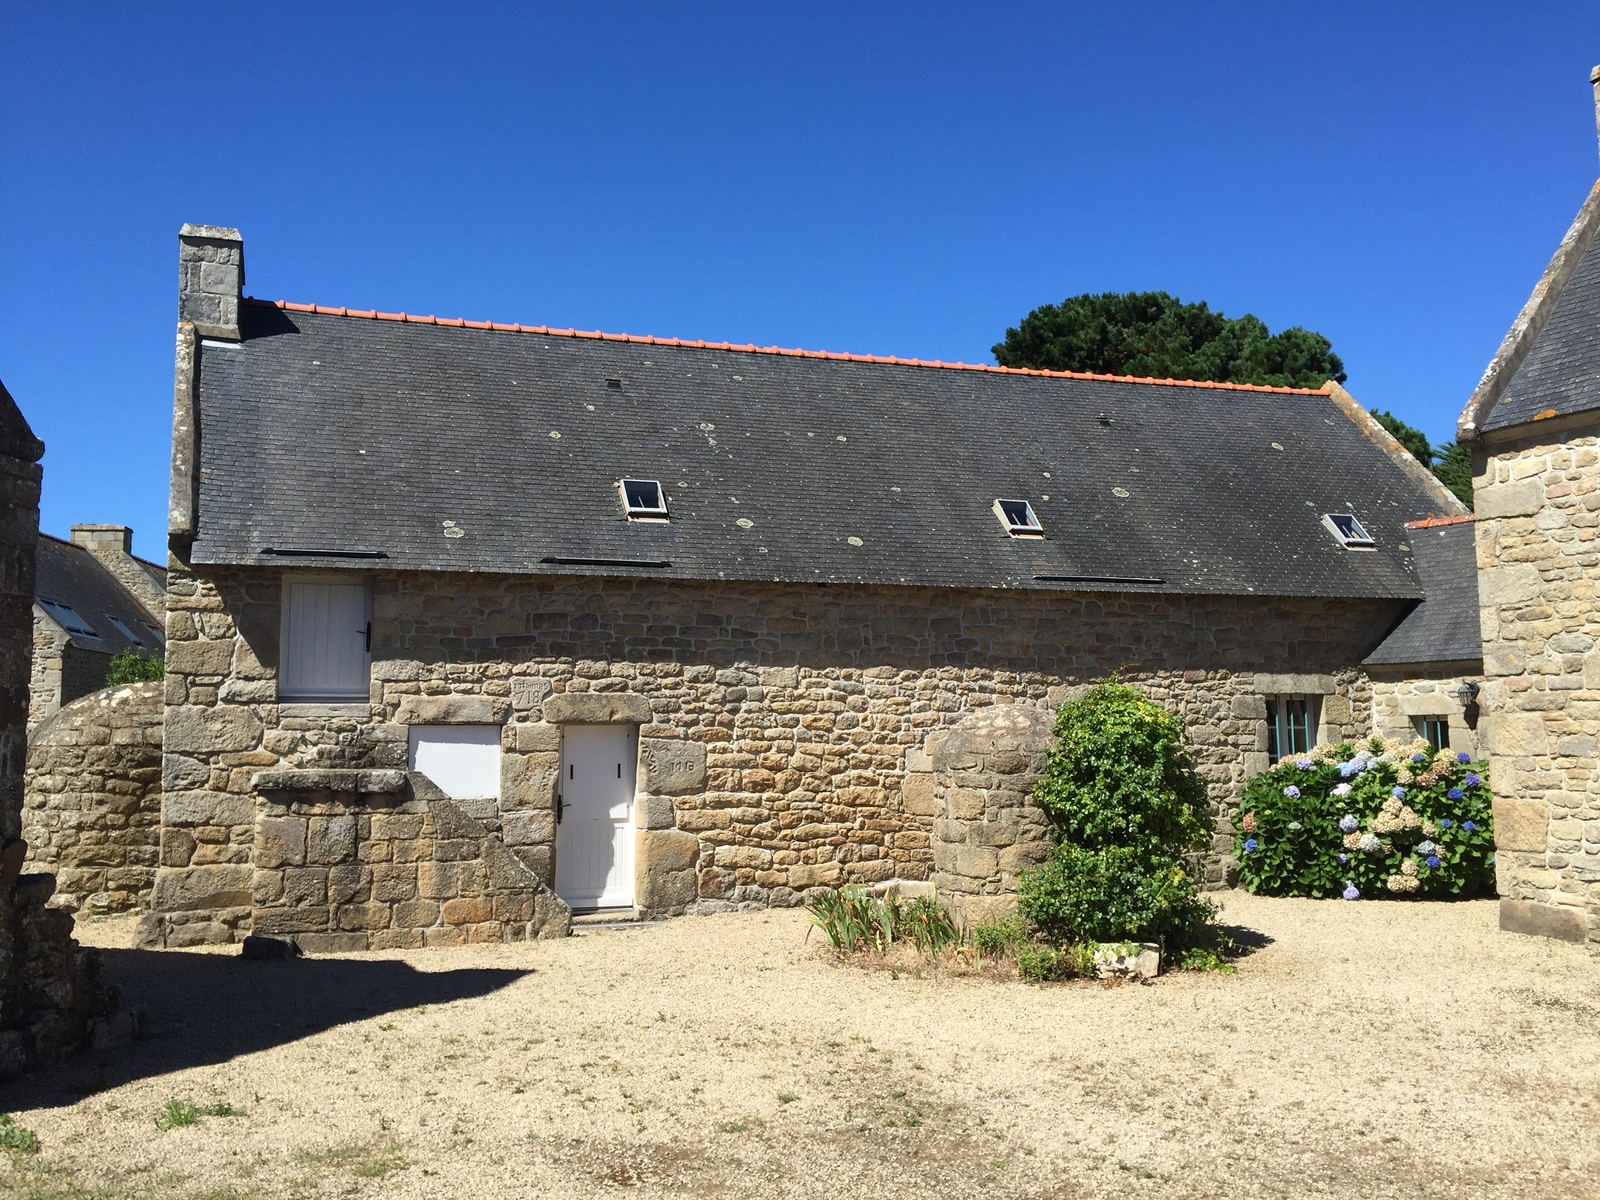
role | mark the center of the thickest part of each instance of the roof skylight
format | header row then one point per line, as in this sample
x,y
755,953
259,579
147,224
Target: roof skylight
x,y
67,617
1349,531
1018,518
643,500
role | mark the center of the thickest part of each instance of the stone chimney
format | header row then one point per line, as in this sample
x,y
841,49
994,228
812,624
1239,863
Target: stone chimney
x,y
107,537
112,547
210,279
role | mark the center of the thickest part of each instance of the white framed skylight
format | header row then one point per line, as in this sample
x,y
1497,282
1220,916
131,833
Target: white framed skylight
x,y
67,617
122,628
1349,531
1018,518
643,499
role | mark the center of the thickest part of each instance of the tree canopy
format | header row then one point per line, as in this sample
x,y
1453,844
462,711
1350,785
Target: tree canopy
x,y
1155,334
1451,462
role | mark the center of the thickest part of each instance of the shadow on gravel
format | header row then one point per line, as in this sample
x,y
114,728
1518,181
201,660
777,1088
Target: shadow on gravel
x,y
1241,940
201,1009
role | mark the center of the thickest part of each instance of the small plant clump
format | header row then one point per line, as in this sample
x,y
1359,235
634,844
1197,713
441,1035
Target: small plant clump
x,y
1128,807
14,1139
178,1113
853,920
1392,819
134,666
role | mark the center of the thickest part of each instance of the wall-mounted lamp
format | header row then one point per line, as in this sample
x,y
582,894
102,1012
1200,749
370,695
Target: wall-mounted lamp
x,y
1467,693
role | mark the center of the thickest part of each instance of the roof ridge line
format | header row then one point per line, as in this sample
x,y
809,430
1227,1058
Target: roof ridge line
x,y
1435,522
750,348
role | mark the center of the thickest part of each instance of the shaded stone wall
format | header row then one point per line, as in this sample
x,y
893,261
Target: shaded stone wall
x,y
1400,695
92,798
774,721
1538,539
52,1000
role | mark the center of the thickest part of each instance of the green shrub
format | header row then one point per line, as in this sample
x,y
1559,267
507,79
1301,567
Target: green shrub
x,y
927,923
1127,805
1041,963
175,1114
1394,819
134,666
1000,936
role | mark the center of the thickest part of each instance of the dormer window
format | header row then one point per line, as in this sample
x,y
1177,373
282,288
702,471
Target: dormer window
x,y
643,500
1348,531
1018,518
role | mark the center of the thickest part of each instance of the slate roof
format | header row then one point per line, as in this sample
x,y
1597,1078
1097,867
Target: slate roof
x,y
71,575
1561,373
1444,627
464,447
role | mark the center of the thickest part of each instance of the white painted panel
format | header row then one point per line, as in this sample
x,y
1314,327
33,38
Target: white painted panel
x,y
324,654
594,842
464,760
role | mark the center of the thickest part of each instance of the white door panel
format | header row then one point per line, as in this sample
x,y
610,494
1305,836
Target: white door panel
x,y
594,841
325,653
464,760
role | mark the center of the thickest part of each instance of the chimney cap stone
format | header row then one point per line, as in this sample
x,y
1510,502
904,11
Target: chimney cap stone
x,y
92,536
222,233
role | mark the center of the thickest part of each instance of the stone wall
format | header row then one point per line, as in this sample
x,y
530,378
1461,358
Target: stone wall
x,y
62,672
775,721
1538,504
92,798
52,1001
1402,694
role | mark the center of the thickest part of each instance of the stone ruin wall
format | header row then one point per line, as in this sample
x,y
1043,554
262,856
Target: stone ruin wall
x,y
1538,540
92,799
776,722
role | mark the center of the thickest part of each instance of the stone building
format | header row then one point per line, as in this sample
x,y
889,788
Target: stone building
x,y
1534,425
93,599
52,1001
1425,674
472,624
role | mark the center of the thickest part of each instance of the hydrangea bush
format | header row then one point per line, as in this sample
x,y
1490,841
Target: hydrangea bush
x,y
1382,819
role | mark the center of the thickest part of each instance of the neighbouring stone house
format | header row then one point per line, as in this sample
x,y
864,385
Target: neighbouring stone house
x,y
470,625
93,599
1534,426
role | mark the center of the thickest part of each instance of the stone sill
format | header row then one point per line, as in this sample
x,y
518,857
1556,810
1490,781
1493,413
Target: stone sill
x,y
375,782
360,709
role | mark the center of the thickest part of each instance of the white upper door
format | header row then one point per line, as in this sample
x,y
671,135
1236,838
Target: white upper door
x,y
594,841
464,760
327,637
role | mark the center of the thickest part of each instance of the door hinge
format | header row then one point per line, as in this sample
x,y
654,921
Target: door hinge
x,y
561,806
368,632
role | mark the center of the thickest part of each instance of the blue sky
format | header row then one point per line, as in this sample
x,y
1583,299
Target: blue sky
x,y
888,179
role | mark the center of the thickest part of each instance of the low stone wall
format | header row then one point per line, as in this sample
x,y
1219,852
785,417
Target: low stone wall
x,y
92,798
986,828
346,860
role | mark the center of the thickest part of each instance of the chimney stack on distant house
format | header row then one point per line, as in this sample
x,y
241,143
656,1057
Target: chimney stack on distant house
x,y
112,547
106,537
210,279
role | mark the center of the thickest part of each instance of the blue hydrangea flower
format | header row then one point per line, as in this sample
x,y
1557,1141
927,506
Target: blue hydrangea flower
x,y
1473,780
1351,891
1303,763
1399,793
1250,845
1446,822
1433,860
1347,769
1419,758
1455,793
1469,826
1463,758
1292,792
1348,823
1344,858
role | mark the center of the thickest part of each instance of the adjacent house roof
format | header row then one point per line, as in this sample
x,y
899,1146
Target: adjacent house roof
x,y
327,439
1444,627
71,576
1549,363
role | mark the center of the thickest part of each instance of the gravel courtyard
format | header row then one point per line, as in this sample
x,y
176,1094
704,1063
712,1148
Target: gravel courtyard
x,y
1365,1050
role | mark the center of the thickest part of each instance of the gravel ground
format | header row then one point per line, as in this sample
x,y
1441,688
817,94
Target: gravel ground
x,y
1365,1050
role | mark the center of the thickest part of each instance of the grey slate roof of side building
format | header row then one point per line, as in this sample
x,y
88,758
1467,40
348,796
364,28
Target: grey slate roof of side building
x,y
70,575
1561,373
1444,627
459,449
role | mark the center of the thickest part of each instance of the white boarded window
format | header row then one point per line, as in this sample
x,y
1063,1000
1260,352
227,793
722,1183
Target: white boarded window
x,y
327,640
464,760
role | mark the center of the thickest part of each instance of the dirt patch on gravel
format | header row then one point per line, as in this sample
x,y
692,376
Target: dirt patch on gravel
x,y
1366,1050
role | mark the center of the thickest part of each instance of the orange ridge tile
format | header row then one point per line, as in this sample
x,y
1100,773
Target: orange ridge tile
x,y
1434,522
832,355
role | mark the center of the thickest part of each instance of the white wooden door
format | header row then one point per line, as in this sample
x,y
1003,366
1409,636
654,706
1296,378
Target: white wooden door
x,y
594,840
327,640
